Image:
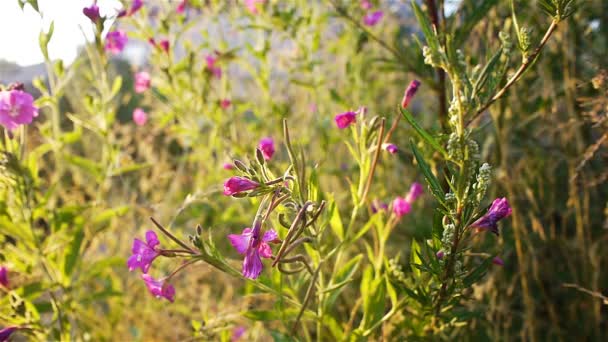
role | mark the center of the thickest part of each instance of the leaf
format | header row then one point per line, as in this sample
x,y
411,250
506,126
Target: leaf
x,y
422,133
276,315
335,222
486,72
116,85
414,257
472,14
73,253
428,174
44,38
86,164
374,298
343,277
477,273
425,25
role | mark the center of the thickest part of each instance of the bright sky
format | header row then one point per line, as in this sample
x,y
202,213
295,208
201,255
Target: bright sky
x,y
20,29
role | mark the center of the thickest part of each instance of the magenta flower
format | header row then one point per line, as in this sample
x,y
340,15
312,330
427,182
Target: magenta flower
x,y
248,243
498,210
237,333
164,45
140,117
415,192
92,12
142,82
16,108
158,288
212,67
252,5
401,206
266,145
135,6
366,4
116,41
498,261
6,333
4,277
225,103
181,8
390,148
409,93
373,18
378,205
236,185
144,253
440,255
345,119
228,166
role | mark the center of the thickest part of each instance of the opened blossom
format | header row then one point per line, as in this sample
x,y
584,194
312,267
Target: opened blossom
x,y
266,145
144,253
142,82
181,8
498,210
401,206
345,119
116,41
390,148
409,93
16,108
254,247
140,117
4,276
158,288
236,185
92,12
373,18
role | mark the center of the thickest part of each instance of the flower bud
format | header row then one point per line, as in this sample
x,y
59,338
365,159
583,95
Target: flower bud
x,y
409,93
236,185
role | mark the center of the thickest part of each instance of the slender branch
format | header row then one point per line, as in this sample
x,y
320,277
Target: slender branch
x,y
171,236
527,62
374,162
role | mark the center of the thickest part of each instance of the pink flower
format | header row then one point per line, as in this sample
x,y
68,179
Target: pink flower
x,y
16,108
6,333
144,253
116,41
181,8
140,117
212,67
236,185
228,166
409,93
440,255
266,145
415,192
390,148
366,4
158,288
225,103
164,45
142,82
237,333
498,210
4,276
92,12
252,5
401,206
498,261
248,243
345,119
373,18
135,6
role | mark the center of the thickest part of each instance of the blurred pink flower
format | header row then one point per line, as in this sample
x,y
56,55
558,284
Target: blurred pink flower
x,y
237,333
144,253
252,5
140,117
415,192
158,288
373,18
248,243
164,45
236,185
181,8
16,108
345,119
378,205
135,6
266,145
4,276
366,4
498,261
212,67
411,90
440,255
390,148
142,82
116,41
6,333
92,12
225,103
401,206
498,210
228,166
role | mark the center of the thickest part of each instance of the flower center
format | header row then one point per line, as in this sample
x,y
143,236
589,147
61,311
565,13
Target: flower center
x,y
14,111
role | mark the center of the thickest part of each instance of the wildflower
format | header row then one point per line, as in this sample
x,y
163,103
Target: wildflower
x,y
390,148
414,193
373,18
252,5
236,185
116,41
158,288
16,108
7,332
144,253
411,90
401,206
212,67
366,4
142,82
4,277
498,261
440,255
228,166
225,103
237,333
181,8
92,12
266,145
248,243
135,6
164,45
498,210
140,117
378,205
345,119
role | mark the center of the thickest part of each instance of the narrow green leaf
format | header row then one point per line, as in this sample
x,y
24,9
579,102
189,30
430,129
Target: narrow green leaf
x,y
477,273
414,257
428,138
428,174
73,253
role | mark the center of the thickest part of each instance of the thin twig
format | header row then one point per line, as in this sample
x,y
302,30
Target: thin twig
x,y
171,236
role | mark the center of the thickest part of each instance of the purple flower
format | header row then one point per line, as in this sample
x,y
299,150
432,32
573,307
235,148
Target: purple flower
x,y
390,148
16,108
140,117
440,255
144,253
378,205
409,93
142,82
498,261
116,41
237,333
345,119
401,206
235,185
212,67
266,145
415,192
92,12
498,210
4,276
7,332
181,8
248,243
158,288
373,18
